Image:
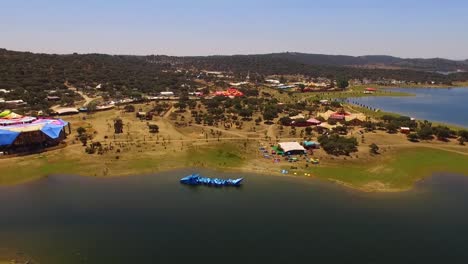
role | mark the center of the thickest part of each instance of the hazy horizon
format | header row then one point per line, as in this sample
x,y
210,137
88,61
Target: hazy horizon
x,y
208,55
420,29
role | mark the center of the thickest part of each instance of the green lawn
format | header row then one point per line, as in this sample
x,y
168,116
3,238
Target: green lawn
x,y
26,170
219,156
402,171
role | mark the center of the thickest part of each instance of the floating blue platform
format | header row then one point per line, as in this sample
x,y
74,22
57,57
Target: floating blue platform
x,y
196,179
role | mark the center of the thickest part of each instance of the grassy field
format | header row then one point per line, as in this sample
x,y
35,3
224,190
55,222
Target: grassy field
x,y
220,156
400,171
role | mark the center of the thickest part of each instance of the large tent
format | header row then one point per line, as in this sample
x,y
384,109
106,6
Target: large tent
x,y
50,127
292,148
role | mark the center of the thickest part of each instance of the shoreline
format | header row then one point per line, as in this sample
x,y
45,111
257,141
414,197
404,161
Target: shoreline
x,y
256,172
370,187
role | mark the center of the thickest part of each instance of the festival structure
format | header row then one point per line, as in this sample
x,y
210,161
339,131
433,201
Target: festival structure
x,y
231,92
24,133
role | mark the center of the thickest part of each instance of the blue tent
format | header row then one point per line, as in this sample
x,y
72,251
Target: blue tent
x,y
53,131
7,137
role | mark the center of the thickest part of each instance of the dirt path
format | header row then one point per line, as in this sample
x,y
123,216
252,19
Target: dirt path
x,y
86,98
169,112
271,131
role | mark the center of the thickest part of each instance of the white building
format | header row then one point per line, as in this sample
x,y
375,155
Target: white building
x,y
238,84
167,93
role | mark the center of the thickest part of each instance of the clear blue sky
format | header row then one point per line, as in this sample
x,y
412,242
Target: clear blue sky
x,y
419,28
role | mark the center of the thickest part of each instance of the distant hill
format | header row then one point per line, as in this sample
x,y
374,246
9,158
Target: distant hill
x,y
375,61
39,72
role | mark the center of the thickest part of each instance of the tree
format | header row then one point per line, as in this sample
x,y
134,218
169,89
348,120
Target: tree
x,y
181,105
308,131
335,104
285,121
338,145
153,128
246,113
369,126
91,107
118,126
342,130
442,132
462,136
80,131
302,87
374,149
425,132
342,83
413,137
129,108
282,79
391,127
270,112
84,139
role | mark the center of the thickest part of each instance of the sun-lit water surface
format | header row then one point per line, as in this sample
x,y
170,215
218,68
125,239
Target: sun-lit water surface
x,y
446,105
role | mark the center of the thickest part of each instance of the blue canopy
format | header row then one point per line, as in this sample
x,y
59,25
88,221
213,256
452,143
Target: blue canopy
x,y
7,137
53,131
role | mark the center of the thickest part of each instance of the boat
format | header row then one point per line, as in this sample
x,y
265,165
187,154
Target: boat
x,y
196,179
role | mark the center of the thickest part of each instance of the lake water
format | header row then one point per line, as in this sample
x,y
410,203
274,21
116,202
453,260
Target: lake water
x,y
271,219
447,105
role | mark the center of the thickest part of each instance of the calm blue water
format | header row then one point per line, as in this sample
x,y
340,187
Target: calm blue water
x,y
434,104
154,219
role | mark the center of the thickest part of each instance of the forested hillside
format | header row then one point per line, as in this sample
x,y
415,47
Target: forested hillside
x,y
30,75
